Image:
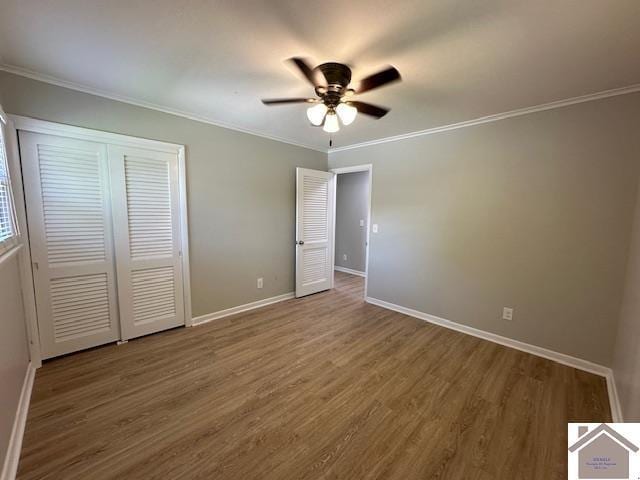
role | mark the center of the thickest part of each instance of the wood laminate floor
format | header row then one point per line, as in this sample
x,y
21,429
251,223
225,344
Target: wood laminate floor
x,y
324,387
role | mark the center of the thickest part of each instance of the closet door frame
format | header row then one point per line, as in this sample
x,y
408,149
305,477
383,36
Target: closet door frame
x,y
28,124
24,253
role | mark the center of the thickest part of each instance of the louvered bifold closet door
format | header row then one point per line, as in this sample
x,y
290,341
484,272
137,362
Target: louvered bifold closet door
x,y
68,207
315,196
147,231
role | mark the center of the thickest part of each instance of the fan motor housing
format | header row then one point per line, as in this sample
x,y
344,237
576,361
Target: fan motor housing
x,y
338,75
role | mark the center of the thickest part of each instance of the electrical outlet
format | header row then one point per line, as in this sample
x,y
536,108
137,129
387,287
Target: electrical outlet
x,y
260,282
507,313
344,257
375,228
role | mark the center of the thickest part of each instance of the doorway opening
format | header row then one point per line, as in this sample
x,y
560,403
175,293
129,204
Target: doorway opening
x,y
352,224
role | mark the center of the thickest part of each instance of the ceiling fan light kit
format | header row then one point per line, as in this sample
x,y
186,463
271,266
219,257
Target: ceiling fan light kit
x,y
331,124
347,113
331,84
316,114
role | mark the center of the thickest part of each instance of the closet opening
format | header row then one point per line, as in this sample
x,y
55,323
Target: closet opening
x,y
106,217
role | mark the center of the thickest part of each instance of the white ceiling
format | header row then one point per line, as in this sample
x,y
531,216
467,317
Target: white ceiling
x,y
460,60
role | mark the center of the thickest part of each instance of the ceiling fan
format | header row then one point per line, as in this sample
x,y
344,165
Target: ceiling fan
x,y
331,84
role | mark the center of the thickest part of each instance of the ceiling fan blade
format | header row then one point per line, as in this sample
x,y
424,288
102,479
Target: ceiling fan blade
x,y
369,109
280,101
379,79
307,71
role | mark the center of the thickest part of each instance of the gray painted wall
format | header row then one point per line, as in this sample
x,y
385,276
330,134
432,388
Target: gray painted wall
x,y
14,354
352,197
240,189
626,359
532,212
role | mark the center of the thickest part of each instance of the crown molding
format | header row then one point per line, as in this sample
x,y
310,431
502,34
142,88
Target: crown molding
x,y
430,131
496,117
23,72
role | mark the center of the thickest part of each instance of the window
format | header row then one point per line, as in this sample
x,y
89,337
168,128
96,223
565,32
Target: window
x,y
8,224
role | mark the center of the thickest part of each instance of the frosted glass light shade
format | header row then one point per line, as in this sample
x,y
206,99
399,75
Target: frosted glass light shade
x,y
331,123
316,113
347,113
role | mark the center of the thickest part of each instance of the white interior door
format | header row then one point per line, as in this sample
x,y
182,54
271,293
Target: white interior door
x,y
146,214
66,184
315,196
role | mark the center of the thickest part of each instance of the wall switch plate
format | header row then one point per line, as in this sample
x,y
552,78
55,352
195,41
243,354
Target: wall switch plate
x,y
362,223
375,228
507,313
260,282
344,256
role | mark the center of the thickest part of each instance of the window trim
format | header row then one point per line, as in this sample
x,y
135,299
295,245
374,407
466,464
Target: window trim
x,y
14,240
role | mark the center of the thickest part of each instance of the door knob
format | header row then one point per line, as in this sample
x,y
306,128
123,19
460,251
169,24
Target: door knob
x,y
300,242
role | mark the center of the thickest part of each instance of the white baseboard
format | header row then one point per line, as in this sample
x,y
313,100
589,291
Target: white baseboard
x,y
614,399
241,308
579,363
349,270
10,467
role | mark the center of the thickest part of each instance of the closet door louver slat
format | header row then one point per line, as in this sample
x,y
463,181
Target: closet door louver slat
x,y
149,209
